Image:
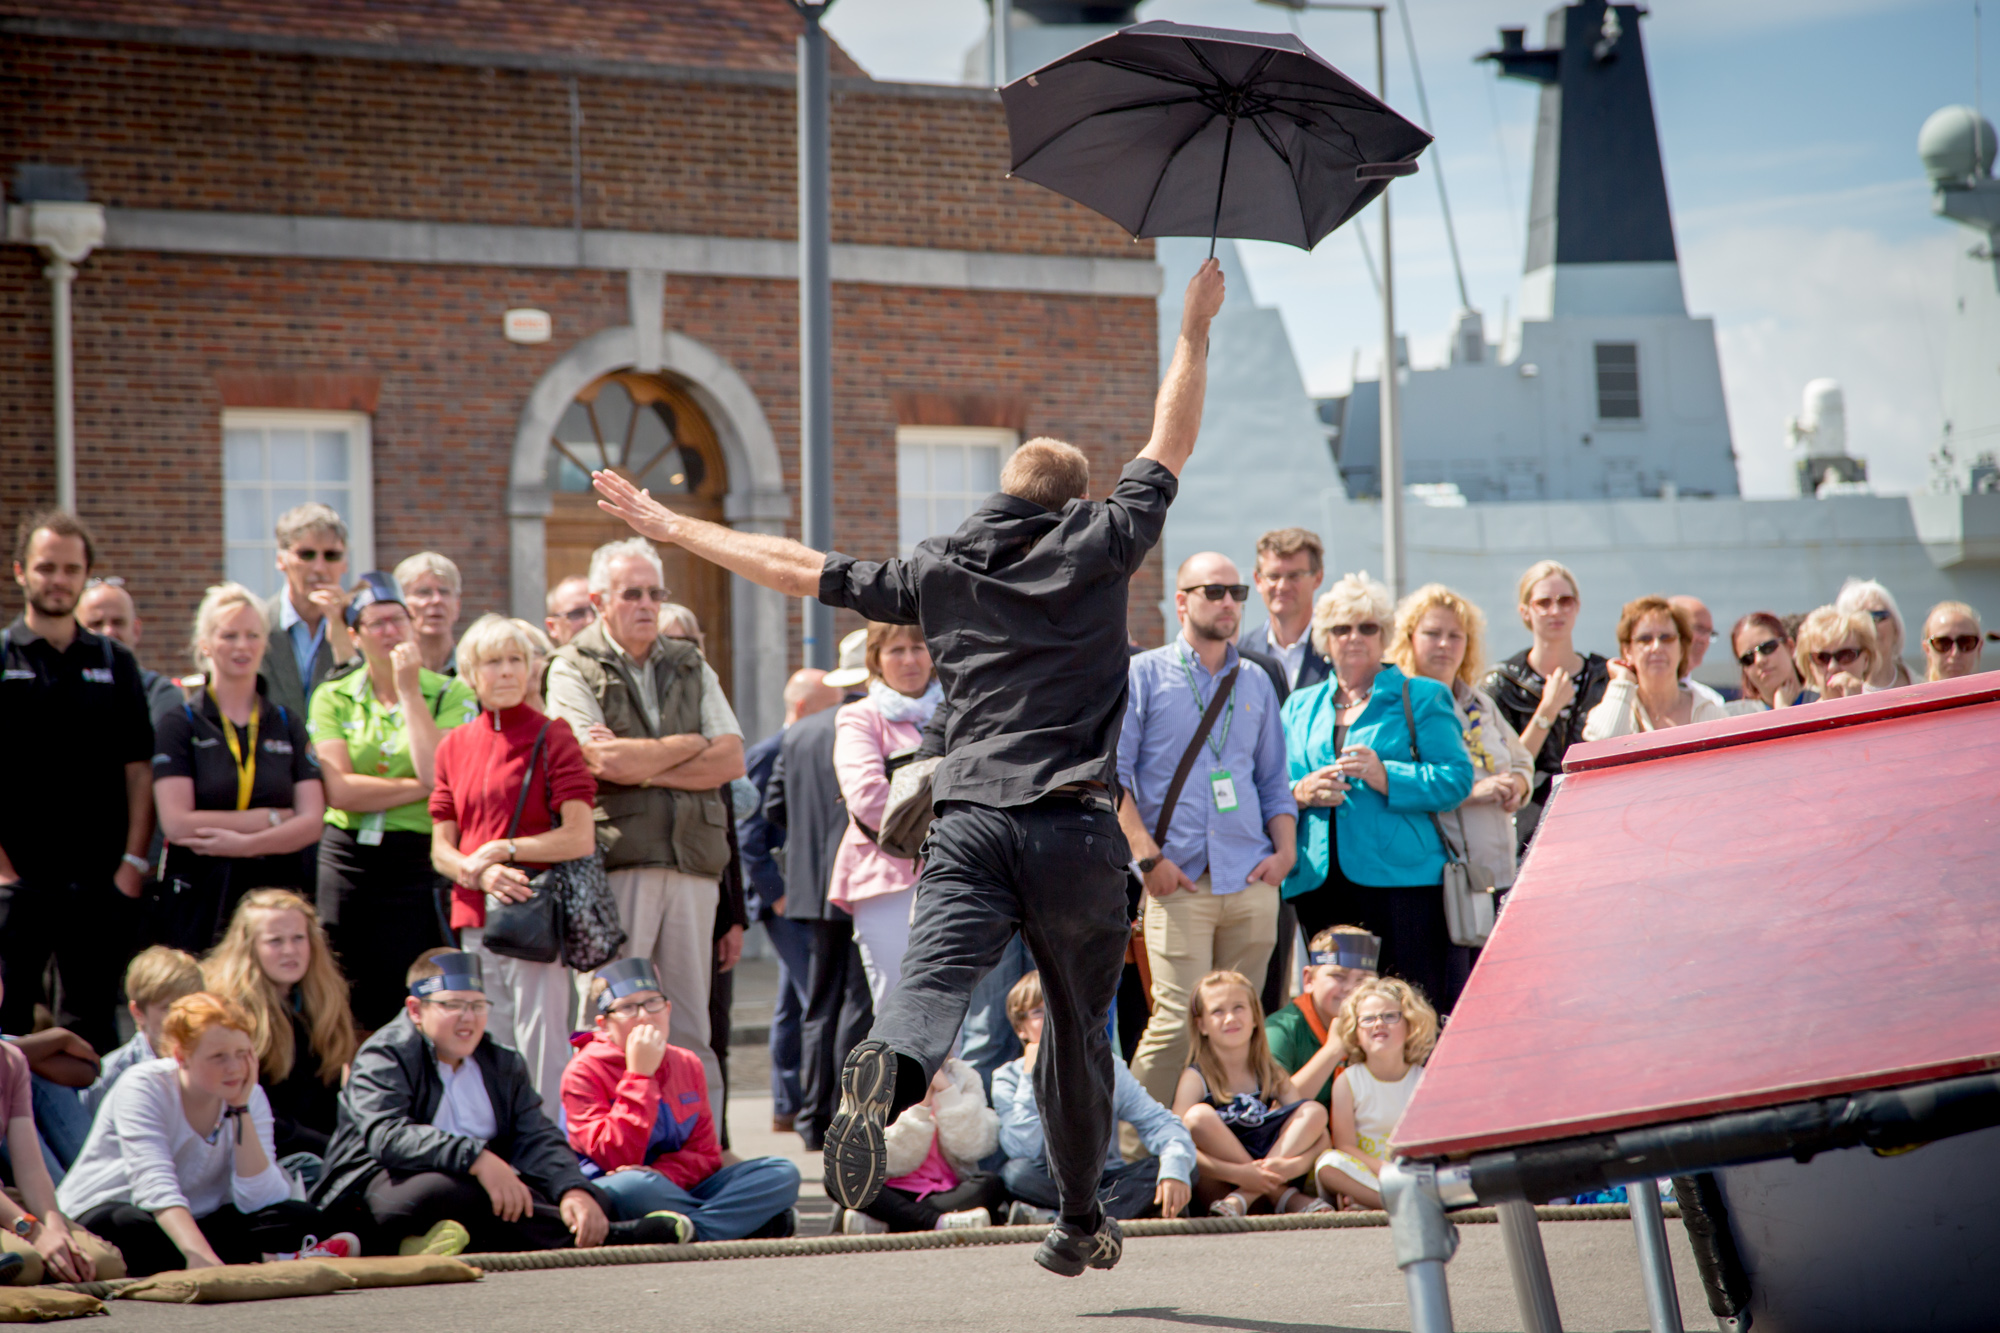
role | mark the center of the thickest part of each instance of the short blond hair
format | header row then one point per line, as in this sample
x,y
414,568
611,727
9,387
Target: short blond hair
x,y
487,637
303,520
1024,999
1545,569
429,562
1352,599
220,600
1827,626
1046,472
1435,596
161,975
1421,1021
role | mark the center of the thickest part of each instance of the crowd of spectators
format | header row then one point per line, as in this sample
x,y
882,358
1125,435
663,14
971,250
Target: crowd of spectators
x,y
292,853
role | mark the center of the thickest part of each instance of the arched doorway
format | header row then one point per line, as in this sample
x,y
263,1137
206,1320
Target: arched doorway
x,y
649,428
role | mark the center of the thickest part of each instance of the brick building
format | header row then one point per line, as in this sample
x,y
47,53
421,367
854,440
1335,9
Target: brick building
x,y
316,217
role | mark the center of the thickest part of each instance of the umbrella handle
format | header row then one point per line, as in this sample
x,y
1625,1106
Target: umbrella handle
x,y
1215,225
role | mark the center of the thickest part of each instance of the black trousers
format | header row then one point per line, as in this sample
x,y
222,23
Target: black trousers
x,y
75,925
382,907
838,1014
198,894
1282,968
906,1212
721,1000
1416,944
1056,871
396,1206
236,1238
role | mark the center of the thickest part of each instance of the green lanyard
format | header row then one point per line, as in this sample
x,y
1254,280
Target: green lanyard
x,y
1215,741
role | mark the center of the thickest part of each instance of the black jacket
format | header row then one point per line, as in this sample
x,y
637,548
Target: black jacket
x,y
390,1098
759,841
1312,670
305,1107
803,798
1516,689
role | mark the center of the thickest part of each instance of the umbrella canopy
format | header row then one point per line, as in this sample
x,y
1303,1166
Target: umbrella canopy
x,y
1174,130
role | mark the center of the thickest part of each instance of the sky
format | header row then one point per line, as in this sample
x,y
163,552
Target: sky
x,y
1789,130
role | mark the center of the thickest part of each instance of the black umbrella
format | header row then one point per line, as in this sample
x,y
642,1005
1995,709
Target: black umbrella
x,y
1173,130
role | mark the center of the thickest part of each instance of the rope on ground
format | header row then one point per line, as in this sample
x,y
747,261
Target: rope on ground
x,y
704,1251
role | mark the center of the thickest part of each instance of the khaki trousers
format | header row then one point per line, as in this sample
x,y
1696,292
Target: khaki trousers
x,y
1189,935
669,917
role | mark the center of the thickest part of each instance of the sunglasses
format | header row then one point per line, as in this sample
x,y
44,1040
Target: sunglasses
x,y
1764,649
1965,643
580,615
1878,616
1367,629
638,595
1215,592
1547,604
1840,657
332,556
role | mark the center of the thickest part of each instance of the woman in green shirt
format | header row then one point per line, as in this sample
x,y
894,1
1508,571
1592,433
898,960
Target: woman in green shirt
x,y
376,732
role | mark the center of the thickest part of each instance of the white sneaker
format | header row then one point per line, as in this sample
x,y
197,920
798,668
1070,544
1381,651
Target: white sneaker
x,y
1024,1214
853,1222
341,1245
965,1217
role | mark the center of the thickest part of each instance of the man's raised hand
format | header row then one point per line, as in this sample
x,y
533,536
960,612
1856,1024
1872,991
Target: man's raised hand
x,y
1204,296
621,499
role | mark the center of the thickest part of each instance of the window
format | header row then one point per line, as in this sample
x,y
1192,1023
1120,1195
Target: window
x,y
1618,381
943,473
642,425
272,461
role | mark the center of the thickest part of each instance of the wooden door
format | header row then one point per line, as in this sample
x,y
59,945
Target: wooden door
x,y
647,428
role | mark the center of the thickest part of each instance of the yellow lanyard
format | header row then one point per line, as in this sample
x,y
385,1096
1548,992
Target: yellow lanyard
x,y
246,765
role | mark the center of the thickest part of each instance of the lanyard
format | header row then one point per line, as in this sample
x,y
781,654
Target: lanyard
x,y
1215,741
246,765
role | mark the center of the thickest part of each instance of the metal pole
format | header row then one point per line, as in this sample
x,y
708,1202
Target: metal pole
x,y
815,324
1656,1266
1393,572
61,273
1003,19
1528,1264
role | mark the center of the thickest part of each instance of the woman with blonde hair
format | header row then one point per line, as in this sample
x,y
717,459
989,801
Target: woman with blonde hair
x,y
275,963
1646,691
239,795
1441,636
1953,639
1839,652
1868,597
1389,1030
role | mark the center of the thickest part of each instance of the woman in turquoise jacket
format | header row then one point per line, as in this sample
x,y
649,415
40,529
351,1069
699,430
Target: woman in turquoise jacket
x,y
1369,852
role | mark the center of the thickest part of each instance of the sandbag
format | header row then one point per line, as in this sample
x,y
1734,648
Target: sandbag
x,y
34,1271
32,1305
407,1270
240,1282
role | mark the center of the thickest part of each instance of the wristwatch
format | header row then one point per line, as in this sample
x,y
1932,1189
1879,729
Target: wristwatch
x,y
25,1224
1146,863
138,863
513,852
276,819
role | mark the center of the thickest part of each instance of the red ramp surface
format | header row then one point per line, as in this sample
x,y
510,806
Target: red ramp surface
x,y
1740,914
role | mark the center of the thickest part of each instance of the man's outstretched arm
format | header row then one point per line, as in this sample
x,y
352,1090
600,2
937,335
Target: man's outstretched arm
x,y
775,562
1177,411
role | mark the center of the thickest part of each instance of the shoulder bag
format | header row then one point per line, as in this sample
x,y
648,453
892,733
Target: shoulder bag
x,y
572,915
1467,885
906,820
531,930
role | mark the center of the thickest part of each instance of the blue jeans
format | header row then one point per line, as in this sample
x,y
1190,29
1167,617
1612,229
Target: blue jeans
x,y
986,1038
793,942
729,1205
1124,1191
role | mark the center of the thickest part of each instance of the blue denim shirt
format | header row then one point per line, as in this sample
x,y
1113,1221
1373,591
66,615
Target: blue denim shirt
x,y
1159,1128
1161,714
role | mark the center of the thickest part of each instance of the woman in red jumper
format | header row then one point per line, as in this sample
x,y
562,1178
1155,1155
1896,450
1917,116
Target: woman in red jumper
x,y
479,777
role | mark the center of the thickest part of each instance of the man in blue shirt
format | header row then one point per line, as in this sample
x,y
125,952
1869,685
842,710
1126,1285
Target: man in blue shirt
x,y
1212,881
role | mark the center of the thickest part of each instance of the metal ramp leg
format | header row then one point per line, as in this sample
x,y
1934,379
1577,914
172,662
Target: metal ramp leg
x,y
1656,1268
1528,1263
1425,1240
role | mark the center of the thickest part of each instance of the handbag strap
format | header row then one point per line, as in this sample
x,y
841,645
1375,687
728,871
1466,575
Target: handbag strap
x,y
1416,757
1215,706
527,781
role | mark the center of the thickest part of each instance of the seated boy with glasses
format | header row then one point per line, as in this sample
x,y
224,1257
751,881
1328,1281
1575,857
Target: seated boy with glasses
x,y
636,1112
441,1142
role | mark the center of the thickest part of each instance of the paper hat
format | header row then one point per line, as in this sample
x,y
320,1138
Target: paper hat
x,y
461,972
853,668
375,586
627,976
1358,951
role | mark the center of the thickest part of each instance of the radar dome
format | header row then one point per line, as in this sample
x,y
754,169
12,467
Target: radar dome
x,y
1956,144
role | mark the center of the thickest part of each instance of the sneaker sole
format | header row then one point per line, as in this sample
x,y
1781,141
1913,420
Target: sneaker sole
x,y
857,1158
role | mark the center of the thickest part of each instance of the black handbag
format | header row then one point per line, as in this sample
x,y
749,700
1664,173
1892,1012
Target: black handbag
x,y
533,930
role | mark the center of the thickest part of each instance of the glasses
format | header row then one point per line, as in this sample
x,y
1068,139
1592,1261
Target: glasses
x,y
426,594
1289,576
1547,604
398,617
1649,640
1367,629
1838,657
1878,616
108,581
580,615
1965,643
1215,592
637,1007
634,596
1764,649
477,1008
1379,1020
307,554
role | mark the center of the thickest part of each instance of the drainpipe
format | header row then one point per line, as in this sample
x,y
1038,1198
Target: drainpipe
x,y
65,233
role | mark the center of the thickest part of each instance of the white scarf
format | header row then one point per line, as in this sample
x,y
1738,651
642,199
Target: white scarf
x,y
899,707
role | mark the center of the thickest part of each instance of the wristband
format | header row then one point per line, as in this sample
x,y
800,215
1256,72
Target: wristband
x,y
138,863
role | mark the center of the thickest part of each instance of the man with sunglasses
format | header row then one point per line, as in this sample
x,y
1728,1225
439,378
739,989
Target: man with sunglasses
x,y
307,638
1230,836
1953,641
569,609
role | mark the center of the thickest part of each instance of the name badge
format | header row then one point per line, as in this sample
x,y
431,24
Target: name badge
x,y
1224,787
97,675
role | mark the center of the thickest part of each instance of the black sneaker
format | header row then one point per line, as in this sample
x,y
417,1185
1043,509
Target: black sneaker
x,y
660,1228
857,1159
1066,1251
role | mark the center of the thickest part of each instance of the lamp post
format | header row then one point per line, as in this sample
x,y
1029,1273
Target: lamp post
x,y
1393,572
815,321
65,233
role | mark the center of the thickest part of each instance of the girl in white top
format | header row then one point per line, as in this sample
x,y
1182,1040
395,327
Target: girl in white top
x,y
178,1171
1389,1029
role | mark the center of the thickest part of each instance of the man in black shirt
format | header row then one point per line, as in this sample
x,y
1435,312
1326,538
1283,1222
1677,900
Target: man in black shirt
x,y
1023,609
76,794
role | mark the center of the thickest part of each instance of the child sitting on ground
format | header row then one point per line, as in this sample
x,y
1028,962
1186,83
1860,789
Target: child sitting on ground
x,y
1158,1183
153,981
1388,1028
1301,1034
1254,1132
934,1183
636,1113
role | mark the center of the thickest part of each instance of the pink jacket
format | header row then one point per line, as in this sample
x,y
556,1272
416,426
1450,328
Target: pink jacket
x,y
863,740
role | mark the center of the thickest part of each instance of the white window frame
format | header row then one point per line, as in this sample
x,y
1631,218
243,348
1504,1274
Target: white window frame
x,y
1006,438
360,472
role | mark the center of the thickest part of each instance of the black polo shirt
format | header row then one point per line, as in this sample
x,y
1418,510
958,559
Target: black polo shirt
x,y
189,743
1024,612
71,721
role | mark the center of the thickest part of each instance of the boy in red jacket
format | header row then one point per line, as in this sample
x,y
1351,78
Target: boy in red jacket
x,y
636,1112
